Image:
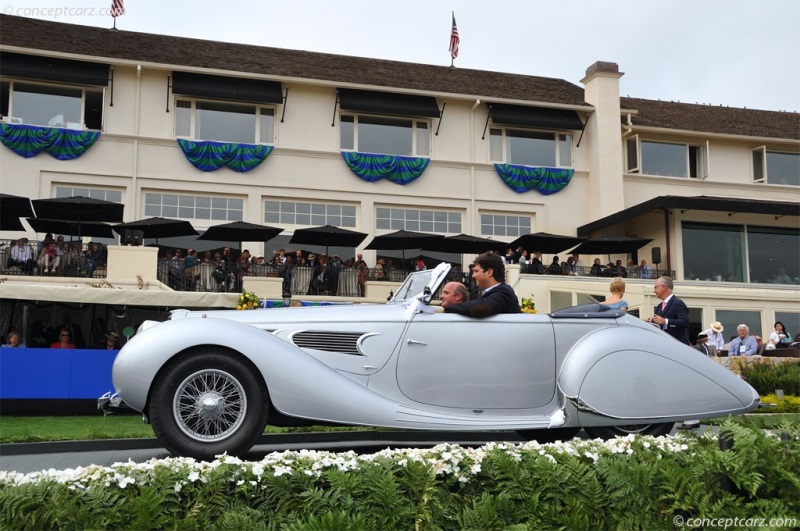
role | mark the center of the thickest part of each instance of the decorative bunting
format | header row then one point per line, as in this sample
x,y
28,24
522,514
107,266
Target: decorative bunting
x,y
30,140
522,179
210,156
373,167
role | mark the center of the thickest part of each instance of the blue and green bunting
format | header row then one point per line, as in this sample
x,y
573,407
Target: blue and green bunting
x,y
373,167
210,156
30,140
522,179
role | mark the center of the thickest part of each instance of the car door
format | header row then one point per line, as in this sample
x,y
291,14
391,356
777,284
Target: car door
x,y
500,362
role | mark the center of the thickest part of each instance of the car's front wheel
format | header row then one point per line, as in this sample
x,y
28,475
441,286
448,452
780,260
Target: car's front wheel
x,y
208,403
609,432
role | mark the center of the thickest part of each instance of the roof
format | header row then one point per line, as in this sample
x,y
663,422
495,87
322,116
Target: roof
x,y
708,203
713,119
107,44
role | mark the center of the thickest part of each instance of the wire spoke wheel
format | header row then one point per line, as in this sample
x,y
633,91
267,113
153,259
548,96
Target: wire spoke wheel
x,y
209,405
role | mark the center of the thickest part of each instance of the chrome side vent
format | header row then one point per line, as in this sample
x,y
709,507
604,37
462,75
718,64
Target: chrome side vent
x,y
342,342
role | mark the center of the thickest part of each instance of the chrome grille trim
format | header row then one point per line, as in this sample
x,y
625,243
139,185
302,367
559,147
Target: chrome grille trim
x,y
326,340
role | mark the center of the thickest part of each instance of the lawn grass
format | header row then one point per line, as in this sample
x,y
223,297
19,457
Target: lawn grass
x,y
39,429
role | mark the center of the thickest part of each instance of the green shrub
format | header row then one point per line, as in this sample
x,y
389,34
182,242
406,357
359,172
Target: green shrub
x,y
787,404
633,482
766,378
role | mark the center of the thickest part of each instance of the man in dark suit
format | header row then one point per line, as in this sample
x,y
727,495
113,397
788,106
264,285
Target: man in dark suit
x,y
497,296
671,315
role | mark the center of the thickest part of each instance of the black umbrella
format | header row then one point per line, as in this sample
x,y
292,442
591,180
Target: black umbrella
x,y
71,228
329,236
240,231
545,242
611,245
158,228
13,207
79,209
464,243
402,240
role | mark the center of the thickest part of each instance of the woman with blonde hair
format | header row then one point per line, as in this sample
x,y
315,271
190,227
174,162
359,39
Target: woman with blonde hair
x,y
617,289
13,340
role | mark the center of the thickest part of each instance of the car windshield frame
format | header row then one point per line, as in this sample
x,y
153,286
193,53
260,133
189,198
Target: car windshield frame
x,y
415,283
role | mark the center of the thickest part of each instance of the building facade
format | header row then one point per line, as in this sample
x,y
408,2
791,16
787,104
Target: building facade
x,y
211,132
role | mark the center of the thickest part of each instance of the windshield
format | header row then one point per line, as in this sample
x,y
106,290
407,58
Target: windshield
x,y
415,283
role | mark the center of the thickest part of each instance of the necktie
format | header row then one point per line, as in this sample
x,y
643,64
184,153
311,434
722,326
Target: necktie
x,y
663,305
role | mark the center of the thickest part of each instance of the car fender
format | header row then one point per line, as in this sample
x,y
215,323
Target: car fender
x,y
640,373
298,384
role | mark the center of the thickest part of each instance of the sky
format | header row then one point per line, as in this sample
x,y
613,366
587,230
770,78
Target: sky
x,y
738,53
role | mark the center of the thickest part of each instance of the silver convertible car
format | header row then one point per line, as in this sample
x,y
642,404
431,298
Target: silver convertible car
x,y
210,381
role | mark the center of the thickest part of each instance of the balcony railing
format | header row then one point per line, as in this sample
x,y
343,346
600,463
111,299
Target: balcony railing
x,y
71,260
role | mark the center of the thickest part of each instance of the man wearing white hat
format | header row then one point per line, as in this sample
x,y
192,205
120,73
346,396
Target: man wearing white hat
x,y
714,334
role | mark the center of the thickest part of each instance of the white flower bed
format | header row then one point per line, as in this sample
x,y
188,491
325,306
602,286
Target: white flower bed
x,y
446,459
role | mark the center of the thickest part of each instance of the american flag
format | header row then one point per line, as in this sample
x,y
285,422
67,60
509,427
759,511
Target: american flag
x,y
454,40
117,9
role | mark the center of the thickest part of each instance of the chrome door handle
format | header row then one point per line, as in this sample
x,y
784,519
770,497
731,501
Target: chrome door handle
x,y
368,367
410,342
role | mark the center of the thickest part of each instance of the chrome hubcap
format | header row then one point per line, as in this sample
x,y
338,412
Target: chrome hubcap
x,y
209,405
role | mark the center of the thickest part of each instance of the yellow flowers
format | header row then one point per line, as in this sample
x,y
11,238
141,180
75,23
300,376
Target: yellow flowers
x,y
527,305
247,301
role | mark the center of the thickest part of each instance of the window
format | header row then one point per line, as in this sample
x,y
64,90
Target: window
x,y
439,221
49,105
311,214
741,253
505,225
384,135
731,319
193,207
791,320
667,159
776,168
224,122
530,148
114,196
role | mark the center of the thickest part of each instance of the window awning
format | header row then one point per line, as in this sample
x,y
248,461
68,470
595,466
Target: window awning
x,y
53,69
388,103
707,203
540,117
226,88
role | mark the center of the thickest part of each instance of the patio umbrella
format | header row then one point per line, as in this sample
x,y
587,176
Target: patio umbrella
x,y
240,231
13,207
611,245
402,240
464,243
329,236
71,228
158,228
545,242
79,209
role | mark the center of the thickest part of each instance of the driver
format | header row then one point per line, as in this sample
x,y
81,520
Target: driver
x,y
497,297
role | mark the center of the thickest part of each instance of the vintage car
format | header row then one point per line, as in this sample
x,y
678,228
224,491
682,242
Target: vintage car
x,y
210,381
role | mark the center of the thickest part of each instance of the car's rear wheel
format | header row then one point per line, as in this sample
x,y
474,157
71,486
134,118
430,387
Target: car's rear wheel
x,y
609,432
549,435
208,403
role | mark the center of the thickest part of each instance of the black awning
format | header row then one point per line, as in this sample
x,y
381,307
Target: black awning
x,y
540,117
53,69
707,203
226,88
388,103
